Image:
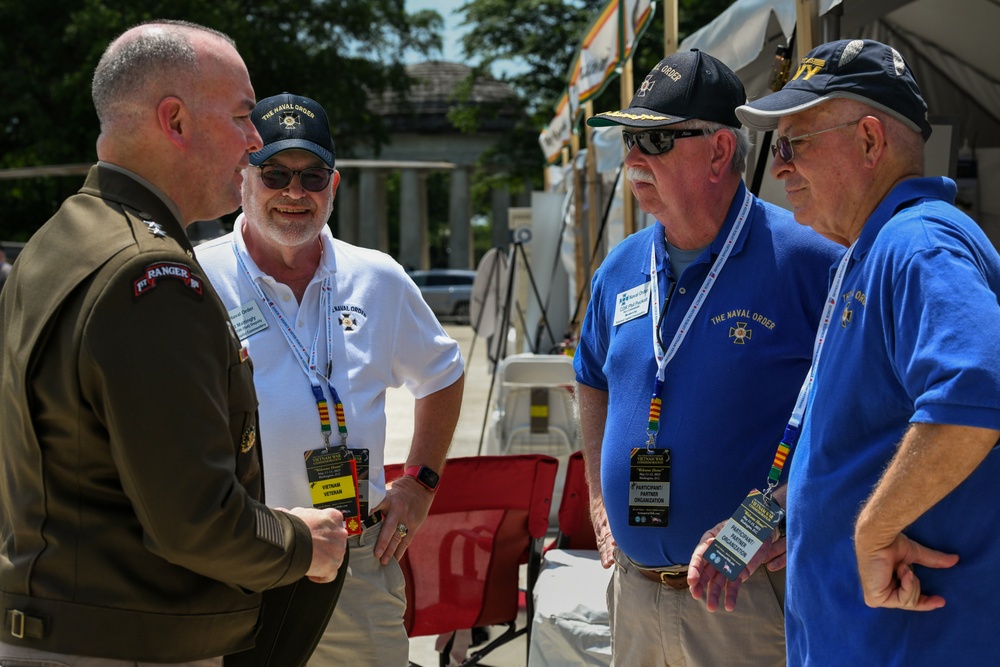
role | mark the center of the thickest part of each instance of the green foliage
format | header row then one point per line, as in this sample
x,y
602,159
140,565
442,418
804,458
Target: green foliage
x,y
336,51
537,40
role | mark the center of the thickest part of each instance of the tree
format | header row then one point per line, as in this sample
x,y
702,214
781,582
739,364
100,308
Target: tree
x,y
336,51
540,51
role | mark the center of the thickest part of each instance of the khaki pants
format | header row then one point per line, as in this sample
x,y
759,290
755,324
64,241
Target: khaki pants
x,y
653,624
367,624
20,656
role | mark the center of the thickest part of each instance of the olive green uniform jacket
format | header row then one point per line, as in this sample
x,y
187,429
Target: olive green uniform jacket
x,y
129,470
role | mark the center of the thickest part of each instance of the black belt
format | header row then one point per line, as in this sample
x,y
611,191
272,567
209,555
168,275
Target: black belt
x,y
21,625
373,519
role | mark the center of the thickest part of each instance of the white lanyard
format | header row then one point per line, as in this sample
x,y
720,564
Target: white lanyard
x,y
663,358
791,435
308,361
824,326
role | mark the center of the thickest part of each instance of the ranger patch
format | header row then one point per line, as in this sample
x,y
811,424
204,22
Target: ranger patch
x,y
164,271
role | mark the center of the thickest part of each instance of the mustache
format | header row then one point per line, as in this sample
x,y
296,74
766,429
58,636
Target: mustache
x,y
638,174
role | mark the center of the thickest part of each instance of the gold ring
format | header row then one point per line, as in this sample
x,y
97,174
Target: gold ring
x,y
401,530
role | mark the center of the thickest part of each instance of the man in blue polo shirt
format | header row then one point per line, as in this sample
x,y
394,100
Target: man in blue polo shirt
x,y
732,309
904,413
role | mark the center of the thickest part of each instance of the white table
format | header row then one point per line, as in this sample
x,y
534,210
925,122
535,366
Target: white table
x,y
570,624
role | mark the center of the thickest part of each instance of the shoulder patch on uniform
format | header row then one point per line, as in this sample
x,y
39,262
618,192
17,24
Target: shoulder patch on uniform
x,y
154,273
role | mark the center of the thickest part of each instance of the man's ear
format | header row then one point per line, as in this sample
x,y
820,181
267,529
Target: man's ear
x,y
174,120
723,146
872,132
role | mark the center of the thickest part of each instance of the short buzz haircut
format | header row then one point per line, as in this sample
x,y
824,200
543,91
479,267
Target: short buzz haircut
x,y
128,66
742,149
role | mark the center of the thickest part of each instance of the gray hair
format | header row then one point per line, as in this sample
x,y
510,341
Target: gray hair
x,y
742,140
161,53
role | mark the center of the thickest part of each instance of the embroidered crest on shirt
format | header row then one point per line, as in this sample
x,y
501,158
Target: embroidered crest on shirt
x,y
350,318
740,333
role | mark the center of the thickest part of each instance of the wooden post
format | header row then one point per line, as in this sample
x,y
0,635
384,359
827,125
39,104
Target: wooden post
x,y
579,254
594,210
669,27
806,20
628,201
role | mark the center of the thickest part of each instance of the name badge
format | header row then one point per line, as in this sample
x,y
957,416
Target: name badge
x,y
744,534
333,482
248,320
631,304
649,487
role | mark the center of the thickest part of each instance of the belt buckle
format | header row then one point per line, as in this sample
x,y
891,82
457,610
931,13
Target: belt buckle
x,y
665,577
17,623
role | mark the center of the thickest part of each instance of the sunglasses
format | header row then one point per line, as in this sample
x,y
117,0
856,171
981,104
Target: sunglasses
x,y
277,177
783,146
657,142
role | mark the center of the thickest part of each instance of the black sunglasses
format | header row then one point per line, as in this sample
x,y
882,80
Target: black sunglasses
x,y
277,177
657,142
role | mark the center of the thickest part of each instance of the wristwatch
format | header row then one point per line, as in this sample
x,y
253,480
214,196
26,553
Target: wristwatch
x,y
424,475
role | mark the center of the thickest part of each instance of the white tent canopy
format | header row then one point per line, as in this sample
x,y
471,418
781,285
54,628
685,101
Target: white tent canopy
x,y
949,44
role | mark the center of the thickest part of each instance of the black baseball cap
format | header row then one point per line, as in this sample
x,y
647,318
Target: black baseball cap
x,y
690,84
857,69
291,121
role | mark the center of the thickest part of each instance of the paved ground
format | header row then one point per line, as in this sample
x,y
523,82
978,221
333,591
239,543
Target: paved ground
x,y
399,412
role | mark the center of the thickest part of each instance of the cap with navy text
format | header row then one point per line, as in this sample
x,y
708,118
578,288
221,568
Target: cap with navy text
x,y
859,69
288,121
685,85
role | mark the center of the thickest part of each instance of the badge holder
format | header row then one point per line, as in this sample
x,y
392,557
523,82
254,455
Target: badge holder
x,y
752,523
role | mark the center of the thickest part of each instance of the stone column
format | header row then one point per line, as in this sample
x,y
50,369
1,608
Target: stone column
x,y
373,219
346,206
459,220
414,250
500,205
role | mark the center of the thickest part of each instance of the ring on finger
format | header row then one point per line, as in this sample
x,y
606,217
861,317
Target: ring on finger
x,y
401,530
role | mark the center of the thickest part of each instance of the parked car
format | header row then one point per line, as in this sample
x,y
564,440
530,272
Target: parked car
x,y
447,291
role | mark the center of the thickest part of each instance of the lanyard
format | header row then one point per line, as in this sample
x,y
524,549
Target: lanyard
x,y
663,357
308,360
791,435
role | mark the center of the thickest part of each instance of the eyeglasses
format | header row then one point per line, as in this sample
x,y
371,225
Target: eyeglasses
x,y
783,146
657,142
277,177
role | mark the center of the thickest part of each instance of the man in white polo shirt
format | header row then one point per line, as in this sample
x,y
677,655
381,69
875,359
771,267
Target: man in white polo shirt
x,y
330,326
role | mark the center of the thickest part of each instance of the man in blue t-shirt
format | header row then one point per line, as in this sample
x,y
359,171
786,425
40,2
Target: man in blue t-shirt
x,y
732,309
892,502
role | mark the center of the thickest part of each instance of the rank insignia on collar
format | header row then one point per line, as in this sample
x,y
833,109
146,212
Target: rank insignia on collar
x,y
154,228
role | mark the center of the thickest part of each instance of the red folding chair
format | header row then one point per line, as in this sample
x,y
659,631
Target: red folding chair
x,y
576,531
489,516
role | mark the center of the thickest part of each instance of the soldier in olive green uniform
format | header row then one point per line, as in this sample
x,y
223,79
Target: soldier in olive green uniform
x,y
129,474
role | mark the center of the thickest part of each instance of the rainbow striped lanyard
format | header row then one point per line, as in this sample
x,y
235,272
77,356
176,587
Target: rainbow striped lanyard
x,y
791,435
308,358
663,357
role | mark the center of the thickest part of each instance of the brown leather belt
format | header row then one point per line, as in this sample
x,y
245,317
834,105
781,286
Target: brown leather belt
x,y
676,580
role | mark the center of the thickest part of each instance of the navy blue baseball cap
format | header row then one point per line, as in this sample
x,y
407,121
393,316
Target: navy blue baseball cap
x,y
685,85
288,121
856,69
